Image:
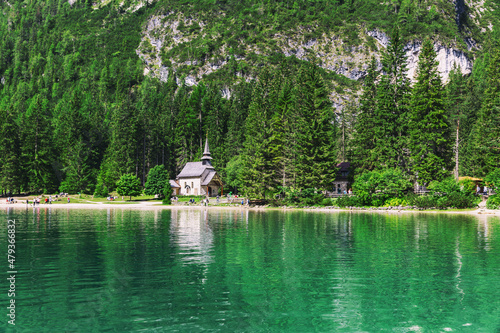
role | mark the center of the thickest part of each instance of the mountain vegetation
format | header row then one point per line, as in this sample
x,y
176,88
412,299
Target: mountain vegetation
x,y
92,91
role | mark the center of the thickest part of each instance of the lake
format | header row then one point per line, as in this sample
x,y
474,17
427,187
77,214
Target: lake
x,y
193,270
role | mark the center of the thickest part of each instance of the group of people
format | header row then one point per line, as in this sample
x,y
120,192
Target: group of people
x,y
483,192
36,201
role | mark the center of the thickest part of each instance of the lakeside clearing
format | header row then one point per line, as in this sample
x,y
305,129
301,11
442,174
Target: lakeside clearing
x,y
156,204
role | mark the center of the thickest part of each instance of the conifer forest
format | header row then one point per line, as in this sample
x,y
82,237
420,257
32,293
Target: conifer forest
x,y
88,94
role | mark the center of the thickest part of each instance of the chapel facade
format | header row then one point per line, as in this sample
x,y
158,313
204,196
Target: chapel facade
x,y
198,178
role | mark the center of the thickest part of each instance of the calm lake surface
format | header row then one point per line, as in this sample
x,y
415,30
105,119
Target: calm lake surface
x,y
123,270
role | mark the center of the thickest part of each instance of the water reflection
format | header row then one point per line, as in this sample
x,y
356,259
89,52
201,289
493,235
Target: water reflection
x,y
192,233
239,270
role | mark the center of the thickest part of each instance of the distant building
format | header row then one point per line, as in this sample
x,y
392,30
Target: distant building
x,y
341,182
198,178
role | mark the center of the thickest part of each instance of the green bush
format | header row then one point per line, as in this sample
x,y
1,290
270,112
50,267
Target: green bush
x,y
493,202
396,202
375,187
446,186
349,201
493,179
423,201
326,202
458,200
167,195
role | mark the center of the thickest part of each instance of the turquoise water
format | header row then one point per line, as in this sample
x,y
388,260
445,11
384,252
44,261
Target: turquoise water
x,y
126,270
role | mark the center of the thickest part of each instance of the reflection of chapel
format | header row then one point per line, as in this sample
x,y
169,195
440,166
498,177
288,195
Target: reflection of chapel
x,y
198,178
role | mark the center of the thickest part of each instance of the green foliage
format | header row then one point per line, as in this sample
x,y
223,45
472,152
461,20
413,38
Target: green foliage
x,y
128,185
349,201
447,193
486,152
76,111
375,187
315,132
364,139
167,195
493,179
157,182
101,190
424,201
396,202
295,197
493,202
467,186
444,187
429,129
388,130
234,173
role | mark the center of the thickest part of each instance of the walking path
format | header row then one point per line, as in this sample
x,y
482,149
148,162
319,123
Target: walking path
x,y
157,205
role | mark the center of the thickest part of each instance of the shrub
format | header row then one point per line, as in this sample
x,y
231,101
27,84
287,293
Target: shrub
x,y
493,179
349,201
459,200
446,186
396,202
493,202
375,187
326,202
423,201
167,195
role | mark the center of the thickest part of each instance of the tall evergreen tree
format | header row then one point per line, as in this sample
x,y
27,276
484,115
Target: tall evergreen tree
x,y
281,140
429,142
258,172
486,131
391,112
364,139
10,173
457,113
316,136
37,149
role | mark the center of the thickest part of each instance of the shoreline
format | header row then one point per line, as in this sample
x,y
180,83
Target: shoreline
x,y
156,205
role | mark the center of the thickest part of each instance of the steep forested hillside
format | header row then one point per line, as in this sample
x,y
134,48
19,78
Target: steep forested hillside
x,y
93,90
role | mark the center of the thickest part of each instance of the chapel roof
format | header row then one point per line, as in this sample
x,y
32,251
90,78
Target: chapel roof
x,y
194,169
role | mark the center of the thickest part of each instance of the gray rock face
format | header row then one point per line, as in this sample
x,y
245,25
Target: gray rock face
x,y
447,58
333,52
380,37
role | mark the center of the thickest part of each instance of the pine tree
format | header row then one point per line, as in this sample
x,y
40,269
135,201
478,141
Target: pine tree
x,y
281,142
37,147
391,112
429,130
486,131
315,145
258,171
364,139
10,173
457,113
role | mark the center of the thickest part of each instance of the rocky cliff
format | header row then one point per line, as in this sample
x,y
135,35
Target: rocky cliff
x,y
332,52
